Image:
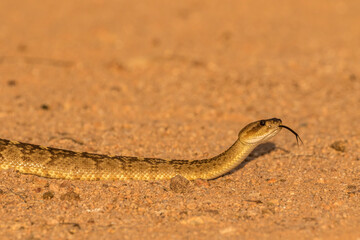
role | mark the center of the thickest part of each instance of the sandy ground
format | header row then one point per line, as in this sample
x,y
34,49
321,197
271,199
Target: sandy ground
x,y
179,79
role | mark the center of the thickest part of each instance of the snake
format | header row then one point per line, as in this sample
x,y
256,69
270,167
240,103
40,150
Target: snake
x,y
58,163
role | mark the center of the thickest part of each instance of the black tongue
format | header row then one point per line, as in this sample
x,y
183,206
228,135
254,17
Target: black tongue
x,y
297,135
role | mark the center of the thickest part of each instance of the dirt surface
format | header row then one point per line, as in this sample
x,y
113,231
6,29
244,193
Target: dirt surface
x,y
179,79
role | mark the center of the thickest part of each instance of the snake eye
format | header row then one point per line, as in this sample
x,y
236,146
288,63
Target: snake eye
x,y
262,122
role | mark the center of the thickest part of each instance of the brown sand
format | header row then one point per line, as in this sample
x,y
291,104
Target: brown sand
x,y
179,79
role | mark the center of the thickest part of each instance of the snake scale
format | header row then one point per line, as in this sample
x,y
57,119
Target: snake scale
x,y
64,164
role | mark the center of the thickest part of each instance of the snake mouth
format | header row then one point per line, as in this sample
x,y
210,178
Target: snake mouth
x,y
295,133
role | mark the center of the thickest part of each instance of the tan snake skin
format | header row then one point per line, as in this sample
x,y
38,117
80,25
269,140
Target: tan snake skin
x,y
65,164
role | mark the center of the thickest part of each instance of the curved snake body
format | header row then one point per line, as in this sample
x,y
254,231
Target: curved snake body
x,y
65,164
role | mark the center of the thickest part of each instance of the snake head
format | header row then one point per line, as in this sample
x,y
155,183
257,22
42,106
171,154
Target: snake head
x,y
260,131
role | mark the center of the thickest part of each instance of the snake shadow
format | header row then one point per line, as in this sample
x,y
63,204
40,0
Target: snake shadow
x,y
262,149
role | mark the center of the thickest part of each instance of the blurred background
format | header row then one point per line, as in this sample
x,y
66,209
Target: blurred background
x,y
188,59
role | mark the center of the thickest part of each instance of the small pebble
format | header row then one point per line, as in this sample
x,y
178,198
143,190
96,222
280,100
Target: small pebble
x,y
179,184
48,195
69,196
11,82
352,77
44,107
272,180
91,220
339,146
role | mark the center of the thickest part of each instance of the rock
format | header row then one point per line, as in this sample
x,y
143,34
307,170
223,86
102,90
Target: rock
x,y
339,146
69,196
351,187
179,184
48,195
272,180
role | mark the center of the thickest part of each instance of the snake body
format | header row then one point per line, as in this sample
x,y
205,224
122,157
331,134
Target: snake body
x,y
59,163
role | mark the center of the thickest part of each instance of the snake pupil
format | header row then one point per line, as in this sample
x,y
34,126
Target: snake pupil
x,y
262,122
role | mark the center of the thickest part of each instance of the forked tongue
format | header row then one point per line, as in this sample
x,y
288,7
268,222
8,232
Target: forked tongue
x,y
297,135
